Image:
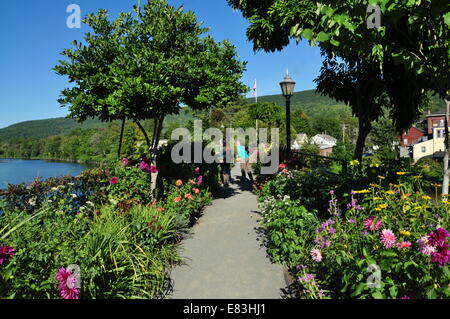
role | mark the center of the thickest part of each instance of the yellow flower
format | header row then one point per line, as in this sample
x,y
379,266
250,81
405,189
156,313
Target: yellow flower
x,y
374,165
381,177
377,198
436,185
405,232
401,173
376,247
418,177
354,163
373,185
426,197
383,206
363,191
390,192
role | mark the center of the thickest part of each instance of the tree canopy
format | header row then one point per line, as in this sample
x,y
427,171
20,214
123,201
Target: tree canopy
x,y
148,65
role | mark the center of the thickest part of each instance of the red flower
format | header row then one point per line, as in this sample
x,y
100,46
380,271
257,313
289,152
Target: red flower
x,y
282,166
177,199
113,180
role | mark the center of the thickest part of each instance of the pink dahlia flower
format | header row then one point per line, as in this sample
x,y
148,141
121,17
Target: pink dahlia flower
x,y
387,238
6,252
125,161
372,223
316,255
113,180
67,284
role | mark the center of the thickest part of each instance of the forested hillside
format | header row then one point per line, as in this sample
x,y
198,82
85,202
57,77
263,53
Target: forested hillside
x,y
63,138
46,128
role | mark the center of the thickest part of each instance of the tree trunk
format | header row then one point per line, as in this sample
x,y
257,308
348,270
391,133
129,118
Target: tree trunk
x,y
364,126
147,140
121,139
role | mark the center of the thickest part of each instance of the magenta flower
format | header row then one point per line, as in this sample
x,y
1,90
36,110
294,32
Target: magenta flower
x,y
68,284
125,161
113,180
438,237
200,180
316,255
144,166
442,255
153,169
435,244
197,170
387,238
6,252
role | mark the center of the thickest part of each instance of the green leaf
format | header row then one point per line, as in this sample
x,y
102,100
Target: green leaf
x,y
322,36
335,42
447,18
377,295
307,34
393,291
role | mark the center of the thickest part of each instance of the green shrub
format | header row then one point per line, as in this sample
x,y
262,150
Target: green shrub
x,y
289,227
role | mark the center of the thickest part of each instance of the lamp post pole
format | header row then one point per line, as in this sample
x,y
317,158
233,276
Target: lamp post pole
x,y
287,87
288,128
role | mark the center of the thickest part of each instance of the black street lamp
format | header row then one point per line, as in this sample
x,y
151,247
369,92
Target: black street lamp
x,y
287,87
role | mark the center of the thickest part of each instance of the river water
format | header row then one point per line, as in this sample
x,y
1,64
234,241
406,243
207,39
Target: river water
x,y
16,171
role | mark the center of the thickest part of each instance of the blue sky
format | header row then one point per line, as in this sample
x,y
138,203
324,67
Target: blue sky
x,y
34,33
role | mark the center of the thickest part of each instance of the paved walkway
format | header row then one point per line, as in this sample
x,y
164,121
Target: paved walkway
x,y
224,258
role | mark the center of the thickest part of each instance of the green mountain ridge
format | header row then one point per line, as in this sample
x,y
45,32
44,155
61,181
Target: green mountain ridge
x,y
310,102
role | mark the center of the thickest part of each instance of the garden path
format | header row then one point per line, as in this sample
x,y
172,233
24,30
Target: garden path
x,y
224,258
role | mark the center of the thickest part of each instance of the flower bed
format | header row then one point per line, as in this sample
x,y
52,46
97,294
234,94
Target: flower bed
x,y
99,235
384,240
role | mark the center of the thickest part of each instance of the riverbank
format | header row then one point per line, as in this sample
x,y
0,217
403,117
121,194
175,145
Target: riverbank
x,y
56,160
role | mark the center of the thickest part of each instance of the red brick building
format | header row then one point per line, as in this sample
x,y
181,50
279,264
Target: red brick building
x,y
411,136
433,121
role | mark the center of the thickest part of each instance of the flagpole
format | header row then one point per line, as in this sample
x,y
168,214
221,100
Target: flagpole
x,y
256,93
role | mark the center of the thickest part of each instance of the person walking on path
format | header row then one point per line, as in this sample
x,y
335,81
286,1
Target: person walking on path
x,y
225,165
244,160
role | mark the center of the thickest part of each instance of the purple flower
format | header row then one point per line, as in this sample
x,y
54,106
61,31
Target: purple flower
x,y
332,231
300,267
125,161
200,180
6,252
331,192
352,221
364,233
